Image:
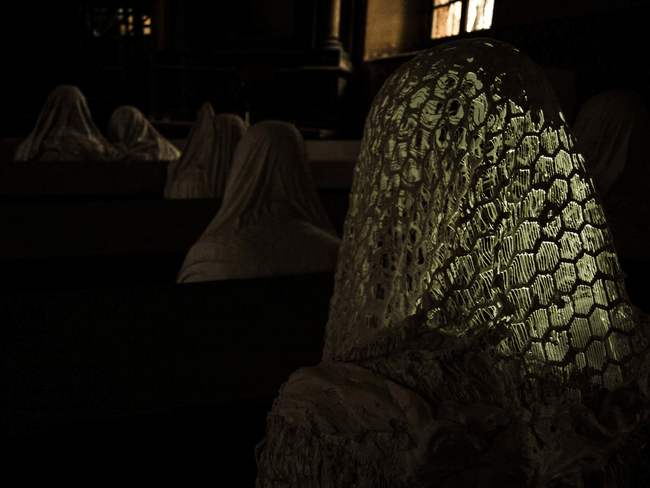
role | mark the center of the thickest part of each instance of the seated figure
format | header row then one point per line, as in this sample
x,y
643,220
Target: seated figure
x,y
612,130
480,332
130,130
203,167
272,221
65,131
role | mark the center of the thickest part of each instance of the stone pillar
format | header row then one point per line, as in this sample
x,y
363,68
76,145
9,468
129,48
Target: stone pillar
x,y
329,50
326,73
332,24
160,23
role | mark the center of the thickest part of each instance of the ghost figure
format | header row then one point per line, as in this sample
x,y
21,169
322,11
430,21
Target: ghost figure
x,y
480,332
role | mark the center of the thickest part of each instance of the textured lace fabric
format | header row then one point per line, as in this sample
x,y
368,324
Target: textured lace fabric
x,y
65,130
471,208
480,333
129,129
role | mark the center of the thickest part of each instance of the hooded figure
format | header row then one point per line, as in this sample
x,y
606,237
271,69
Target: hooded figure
x,y
612,130
480,333
65,131
272,221
203,168
130,130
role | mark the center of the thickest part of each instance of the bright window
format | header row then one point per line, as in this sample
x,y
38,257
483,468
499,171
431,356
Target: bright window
x,y
448,15
113,22
127,25
479,14
146,25
446,18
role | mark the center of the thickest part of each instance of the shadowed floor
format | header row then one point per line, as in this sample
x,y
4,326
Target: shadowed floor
x,y
200,444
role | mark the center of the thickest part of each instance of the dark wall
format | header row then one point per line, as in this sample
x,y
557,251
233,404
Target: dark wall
x,y
50,47
601,48
39,52
585,47
518,12
247,23
250,57
194,55
396,27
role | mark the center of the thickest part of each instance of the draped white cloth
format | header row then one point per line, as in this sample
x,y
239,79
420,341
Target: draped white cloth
x,y
603,129
272,221
202,170
480,332
612,130
65,131
130,130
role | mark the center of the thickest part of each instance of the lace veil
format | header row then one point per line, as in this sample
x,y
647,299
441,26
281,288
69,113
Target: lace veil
x,y
471,215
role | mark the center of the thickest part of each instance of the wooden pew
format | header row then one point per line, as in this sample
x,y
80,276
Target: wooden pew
x,y
332,166
122,178
69,242
8,147
82,177
64,228
58,245
155,378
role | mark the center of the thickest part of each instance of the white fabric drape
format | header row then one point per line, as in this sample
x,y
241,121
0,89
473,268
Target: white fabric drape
x,y
612,130
130,130
202,170
65,131
271,221
603,128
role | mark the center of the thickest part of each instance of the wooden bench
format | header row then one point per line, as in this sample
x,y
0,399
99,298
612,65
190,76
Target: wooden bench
x,y
112,353
82,177
332,166
152,382
122,178
63,244
70,242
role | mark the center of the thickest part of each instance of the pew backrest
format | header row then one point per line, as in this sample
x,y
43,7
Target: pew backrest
x,y
78,356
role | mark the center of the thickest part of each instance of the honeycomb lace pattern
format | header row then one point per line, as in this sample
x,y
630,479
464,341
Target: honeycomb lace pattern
x,y
470,205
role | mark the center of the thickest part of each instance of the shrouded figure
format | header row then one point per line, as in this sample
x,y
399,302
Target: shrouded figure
x,y
612,131
65,131
272,221
130,130
480,333
202,170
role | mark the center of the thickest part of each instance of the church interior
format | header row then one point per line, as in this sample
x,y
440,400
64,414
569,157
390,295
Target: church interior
x,y
110,368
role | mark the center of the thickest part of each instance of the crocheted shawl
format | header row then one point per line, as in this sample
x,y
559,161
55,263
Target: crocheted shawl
x,y
480,333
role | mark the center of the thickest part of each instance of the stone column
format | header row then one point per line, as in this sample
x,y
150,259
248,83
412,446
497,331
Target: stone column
x,y
332,23
327,73
160,22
